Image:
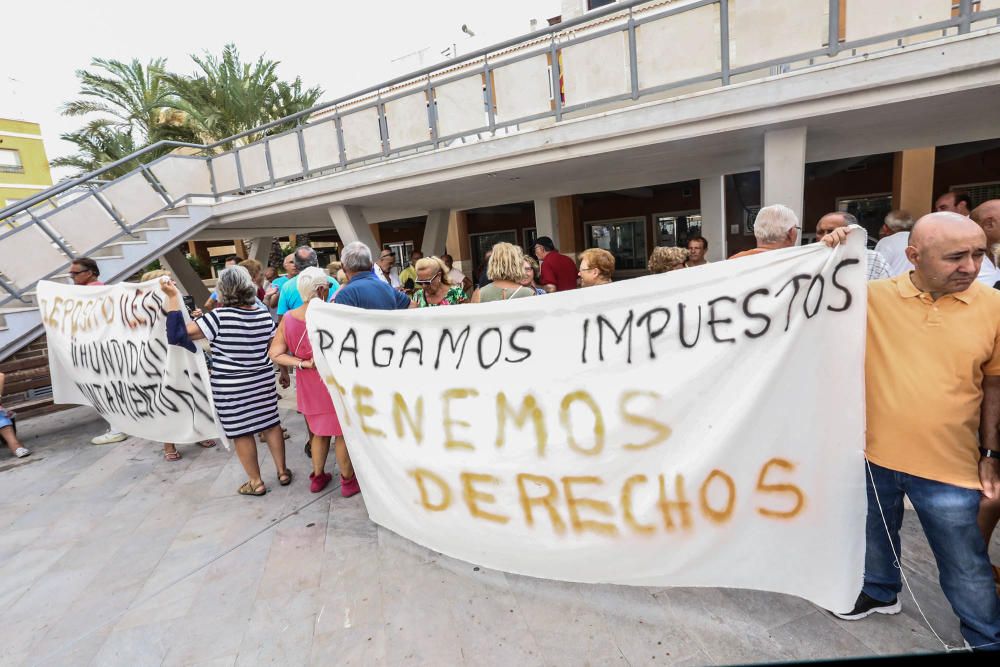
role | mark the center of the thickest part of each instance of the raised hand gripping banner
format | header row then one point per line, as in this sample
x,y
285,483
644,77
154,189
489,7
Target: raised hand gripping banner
x,y
108,349
703,427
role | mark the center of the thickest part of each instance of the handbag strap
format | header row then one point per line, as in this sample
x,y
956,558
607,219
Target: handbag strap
x,y
519,288
305,331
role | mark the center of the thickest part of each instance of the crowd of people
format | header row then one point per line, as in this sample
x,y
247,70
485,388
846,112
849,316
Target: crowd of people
x,y
932,368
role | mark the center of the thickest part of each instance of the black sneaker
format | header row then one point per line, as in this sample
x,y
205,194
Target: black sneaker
x,y
867,605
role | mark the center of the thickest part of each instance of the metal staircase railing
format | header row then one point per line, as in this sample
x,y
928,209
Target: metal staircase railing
x,y
621,54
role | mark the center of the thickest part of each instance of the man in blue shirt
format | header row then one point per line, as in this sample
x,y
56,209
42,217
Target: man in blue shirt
x,y
288,297
364,289
271,297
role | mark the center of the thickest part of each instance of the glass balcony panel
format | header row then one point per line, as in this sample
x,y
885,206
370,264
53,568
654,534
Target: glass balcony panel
x,y
523,88
29,255
181,176
253,162
362,136
460,106
596,69
85,225
678,47
285,158
407,120
134,198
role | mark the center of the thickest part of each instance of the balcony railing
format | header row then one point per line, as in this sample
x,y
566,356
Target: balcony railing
x,y
615,56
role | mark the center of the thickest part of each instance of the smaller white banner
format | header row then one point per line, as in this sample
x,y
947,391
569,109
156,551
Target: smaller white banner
x,y
108,349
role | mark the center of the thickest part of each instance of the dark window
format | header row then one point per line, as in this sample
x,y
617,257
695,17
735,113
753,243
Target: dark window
x,y
594,4
625,239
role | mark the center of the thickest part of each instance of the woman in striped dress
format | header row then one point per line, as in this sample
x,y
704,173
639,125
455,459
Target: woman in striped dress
x,y
242,376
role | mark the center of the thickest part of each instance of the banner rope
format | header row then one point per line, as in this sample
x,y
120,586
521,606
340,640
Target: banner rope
x,y
898,565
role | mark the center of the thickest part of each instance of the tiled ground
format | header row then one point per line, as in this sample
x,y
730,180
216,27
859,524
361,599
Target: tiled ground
x,y
112,556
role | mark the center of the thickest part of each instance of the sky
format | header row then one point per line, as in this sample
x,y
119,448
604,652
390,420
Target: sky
x,y
337,45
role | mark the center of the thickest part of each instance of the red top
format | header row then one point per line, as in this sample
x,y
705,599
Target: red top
x,y
559,270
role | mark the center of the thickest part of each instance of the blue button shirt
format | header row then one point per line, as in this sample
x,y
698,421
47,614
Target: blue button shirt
x,y
365,290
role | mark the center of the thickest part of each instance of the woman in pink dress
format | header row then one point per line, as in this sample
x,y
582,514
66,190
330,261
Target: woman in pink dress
x,y
290,347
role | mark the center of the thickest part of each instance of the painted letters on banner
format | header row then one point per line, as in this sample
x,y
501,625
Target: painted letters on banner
x,y
108,348
699,428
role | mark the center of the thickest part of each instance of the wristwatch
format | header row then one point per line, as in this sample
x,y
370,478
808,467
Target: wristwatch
x,y
989,453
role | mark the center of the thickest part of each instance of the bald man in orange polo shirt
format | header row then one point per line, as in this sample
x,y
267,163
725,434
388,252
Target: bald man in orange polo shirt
x,y
932,377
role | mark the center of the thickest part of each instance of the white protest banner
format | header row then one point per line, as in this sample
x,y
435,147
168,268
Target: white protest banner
x,y
108,349
699,428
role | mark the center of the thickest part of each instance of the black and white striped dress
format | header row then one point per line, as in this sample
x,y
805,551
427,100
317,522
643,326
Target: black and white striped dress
x,y
242,375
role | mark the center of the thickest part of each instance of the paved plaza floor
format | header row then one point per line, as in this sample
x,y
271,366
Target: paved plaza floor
x,y
110,555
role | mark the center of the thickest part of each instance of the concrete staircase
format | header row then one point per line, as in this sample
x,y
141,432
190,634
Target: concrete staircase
x,y
20,320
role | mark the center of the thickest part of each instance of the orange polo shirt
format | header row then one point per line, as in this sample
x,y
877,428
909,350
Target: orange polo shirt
x,y
924,369
747,253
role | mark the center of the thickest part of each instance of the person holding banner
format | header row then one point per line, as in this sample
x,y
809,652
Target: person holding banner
x,y
170,452
242,376
932,377
291,348
84,271
506,273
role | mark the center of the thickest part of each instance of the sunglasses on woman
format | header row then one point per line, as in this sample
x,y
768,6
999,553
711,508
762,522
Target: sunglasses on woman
x,y
427,282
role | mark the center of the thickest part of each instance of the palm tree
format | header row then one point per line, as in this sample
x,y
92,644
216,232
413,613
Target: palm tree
x,y
131,98
228,96
99,143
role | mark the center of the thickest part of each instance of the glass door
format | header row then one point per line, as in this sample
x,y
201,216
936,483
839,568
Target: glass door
x,y
674,229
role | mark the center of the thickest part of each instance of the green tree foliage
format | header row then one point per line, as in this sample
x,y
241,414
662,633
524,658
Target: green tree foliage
x,y
131,105
227,96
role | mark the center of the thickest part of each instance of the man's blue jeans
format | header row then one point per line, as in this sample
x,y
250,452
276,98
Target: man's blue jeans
x,y
948,516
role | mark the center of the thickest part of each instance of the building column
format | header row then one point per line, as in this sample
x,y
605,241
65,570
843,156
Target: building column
x,y
199,249
547,218
175,262
568,236
260,249
458,245
785,169
713,216
351,226
913,181
436,232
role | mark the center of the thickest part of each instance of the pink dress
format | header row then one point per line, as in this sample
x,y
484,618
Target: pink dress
x,y
311,393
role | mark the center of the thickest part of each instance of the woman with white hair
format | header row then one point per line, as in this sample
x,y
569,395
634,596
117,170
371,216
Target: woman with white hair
x,y
242,376
291,348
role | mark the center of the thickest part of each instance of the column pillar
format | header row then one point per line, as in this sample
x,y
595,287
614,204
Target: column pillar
x,y
568,237
785,169
547,218
713,216
458,245
436,232
260,249
175,262
199,249
351,226
913,181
